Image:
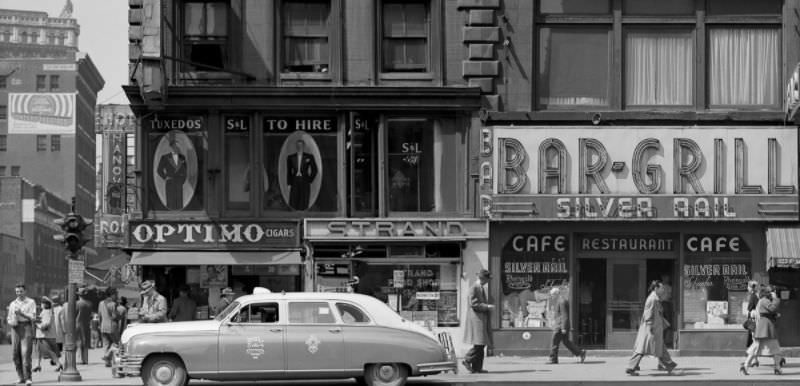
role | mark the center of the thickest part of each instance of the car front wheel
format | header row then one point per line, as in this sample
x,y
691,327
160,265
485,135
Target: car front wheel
x,y
386,374
164,370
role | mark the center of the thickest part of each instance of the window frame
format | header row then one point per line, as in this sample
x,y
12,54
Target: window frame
x,y
228,209
3,142
248,307
15,170
184,41
55,142
434,54
699,22
54,84
370,320
41,142
335,47
333,313
41,83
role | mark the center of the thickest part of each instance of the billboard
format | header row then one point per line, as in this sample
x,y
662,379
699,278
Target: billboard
x,y
41,113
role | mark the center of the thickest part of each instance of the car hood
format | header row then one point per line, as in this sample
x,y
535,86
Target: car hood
x,y
147,328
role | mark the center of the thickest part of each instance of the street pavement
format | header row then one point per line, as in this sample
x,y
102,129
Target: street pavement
x,y
503,370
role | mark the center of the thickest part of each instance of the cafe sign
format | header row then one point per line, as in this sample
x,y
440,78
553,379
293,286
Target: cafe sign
x,y
229,235
350,229
628,173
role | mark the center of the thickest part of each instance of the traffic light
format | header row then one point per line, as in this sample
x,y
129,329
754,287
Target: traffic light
x,y
72,236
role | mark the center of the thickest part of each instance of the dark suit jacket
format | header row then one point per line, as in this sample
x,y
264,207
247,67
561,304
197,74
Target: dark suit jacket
x,y
561,316
174,176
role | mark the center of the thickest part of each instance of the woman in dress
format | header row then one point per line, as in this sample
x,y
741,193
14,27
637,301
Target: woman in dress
x,y
46,335
766,334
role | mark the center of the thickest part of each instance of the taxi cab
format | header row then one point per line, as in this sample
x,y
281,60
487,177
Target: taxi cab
x,y
275,336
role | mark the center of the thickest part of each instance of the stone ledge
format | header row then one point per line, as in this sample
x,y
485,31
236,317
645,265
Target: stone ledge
x,y
481,17
480,68
481,34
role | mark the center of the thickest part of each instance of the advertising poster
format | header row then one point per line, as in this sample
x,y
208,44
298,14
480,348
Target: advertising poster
x,y
41,113
213,276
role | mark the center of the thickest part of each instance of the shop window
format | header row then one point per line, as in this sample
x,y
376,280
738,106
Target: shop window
x,y
714,291
205,35
257,313
54,82
306,36
41,143
565,79
237,162
41,83
310,313
177,161
658,7
351,314
427,294
55,142
659,67
405,41
300,164
744,65
362,147
575,7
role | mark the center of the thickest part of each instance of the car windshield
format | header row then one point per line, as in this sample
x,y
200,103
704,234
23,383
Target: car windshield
x,y
227,310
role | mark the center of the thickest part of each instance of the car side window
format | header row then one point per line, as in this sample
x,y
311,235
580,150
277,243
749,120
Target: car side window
x,y
310,313
351,313
257,313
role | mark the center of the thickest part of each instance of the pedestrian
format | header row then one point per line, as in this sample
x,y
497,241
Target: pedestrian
x,y
122,317
766,334
225,298
154,306
58,316
46,336
83,317
21,315
183,308
668,309
650,337
561,327
752,302
94,327
107,309
476,326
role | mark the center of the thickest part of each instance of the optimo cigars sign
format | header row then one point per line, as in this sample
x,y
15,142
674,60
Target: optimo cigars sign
x,y
212,235
346,229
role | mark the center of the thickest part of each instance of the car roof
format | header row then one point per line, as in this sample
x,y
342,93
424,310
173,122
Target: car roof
x,y
304,296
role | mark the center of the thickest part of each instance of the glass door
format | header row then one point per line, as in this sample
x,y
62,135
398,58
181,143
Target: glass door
x,y
626,295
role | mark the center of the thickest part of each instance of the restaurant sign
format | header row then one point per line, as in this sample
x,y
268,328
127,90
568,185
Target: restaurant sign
x,y
628,173
350,229
227,235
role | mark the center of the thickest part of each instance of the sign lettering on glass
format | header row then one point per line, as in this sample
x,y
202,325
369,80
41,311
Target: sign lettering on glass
x,y
394,229
210,235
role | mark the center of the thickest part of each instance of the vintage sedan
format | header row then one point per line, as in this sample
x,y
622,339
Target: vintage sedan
x,y
302,335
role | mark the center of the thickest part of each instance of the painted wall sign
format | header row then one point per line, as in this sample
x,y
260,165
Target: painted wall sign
x,y
394,229
41,113
183,123
622,172
628,243
326,124
208,235
111,229
114,171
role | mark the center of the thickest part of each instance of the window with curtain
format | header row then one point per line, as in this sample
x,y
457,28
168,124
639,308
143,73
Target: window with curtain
x,y
41,143
205,35
405,36
306,34
41,83
574,67
659,67
743,66
54,82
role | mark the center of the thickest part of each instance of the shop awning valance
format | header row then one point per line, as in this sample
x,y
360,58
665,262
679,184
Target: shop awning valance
x,y
215,258
783,246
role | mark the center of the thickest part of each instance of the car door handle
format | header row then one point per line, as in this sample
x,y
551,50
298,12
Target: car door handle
x,y
335,330
276,329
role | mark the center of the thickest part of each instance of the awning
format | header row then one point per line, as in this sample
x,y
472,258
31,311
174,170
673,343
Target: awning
x,y
783,246
215,258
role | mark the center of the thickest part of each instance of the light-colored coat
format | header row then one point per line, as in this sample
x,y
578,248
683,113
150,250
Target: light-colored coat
x,y
650,338
476,325
58,313
46,328
765,328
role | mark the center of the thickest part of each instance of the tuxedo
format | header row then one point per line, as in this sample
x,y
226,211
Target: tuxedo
x,y
174,175
299,176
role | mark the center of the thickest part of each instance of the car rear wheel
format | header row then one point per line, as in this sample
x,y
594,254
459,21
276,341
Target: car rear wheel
x,y
164,370
386,374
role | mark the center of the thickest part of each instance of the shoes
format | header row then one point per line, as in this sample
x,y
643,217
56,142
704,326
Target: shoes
x,y
552,362
661,367
755,364
583,356
482,371
671,366
60,367
28,382
20,381
37,369
636,368
743,369
783,362
631,372
778,371
467,365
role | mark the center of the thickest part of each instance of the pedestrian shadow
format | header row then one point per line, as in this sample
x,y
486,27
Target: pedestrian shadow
x,y
592,362
682,372
515,372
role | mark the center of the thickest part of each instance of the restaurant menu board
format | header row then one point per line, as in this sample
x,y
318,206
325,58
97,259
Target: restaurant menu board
x,y
708,282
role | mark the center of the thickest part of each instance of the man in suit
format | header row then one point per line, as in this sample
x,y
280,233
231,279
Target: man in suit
x,y
561,327
476,326
172,168
83,315
301,169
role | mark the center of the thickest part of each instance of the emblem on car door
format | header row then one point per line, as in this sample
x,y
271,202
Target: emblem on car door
x,y
255,347
313,344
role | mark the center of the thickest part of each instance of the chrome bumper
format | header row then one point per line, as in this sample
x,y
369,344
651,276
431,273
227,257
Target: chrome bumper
x,y
126,365
437,367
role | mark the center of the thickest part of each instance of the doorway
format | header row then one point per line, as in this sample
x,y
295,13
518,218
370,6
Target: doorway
x,y
591,302
626,293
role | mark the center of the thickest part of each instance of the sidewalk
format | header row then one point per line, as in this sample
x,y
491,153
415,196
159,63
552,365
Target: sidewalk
x,y
510,370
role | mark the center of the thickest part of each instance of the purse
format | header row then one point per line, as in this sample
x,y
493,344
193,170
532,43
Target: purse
x,y
749,324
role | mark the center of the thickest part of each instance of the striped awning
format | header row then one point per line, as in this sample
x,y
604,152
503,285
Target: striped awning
x,y
783,246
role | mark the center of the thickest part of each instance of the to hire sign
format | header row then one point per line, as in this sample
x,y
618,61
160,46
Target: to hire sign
x,y
721,173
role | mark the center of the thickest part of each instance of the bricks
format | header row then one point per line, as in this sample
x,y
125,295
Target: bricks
x,y
481,51
479,4
481,17
481,34
480,69
486,84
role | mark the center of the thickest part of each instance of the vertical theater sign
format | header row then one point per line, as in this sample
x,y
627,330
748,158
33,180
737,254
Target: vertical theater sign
x,y
658,173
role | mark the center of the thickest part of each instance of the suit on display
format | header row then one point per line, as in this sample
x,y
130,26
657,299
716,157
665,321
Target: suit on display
x,y
301,170
172,168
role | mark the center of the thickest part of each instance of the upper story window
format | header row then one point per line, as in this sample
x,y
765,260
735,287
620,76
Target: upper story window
x,y
405,36
2,171
3,112
15,171
54,82
664,46
205,35
3,142
3,82
306,36
41,143
41,83
55,142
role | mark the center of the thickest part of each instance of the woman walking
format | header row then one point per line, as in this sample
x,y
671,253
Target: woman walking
x,y
46,335
650,338
766,333
752,302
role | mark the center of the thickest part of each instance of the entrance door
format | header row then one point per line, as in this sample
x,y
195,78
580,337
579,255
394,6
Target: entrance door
x,y
626,295
591,301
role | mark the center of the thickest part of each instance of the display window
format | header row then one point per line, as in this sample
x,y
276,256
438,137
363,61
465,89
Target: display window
x,y
177,149
237,163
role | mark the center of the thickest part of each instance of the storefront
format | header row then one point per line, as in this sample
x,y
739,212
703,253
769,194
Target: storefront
x,y
419,267
602,212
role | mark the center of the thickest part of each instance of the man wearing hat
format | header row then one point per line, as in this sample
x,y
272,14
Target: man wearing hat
x,y
154,306
226,298
476,327
83,317
561,327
